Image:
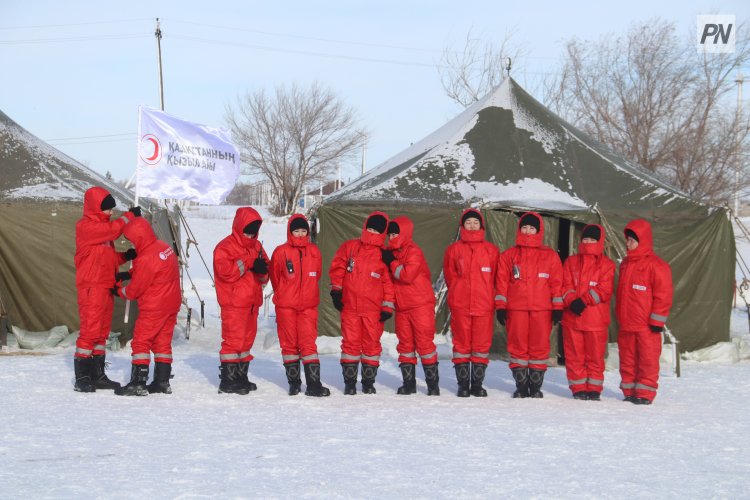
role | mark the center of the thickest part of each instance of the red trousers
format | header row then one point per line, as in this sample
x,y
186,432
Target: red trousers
x,y
239,325
95,307
360,337
298,331
416,328
153,333
584,359
639,363
472,337
528,338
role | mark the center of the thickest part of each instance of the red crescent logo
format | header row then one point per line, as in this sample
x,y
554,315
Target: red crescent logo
x,y
156,149
150,149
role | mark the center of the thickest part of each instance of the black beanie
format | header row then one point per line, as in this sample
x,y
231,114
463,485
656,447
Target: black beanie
x,y
472,214
529,220
377,222
299,223
592,232
253,227
629,233
393,228
107,203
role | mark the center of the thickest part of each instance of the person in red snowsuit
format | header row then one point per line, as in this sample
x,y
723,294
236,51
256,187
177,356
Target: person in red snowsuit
x,y
96,263
529,282
415,306
241,271
361,289
155,285
296,267
644,298
588,283
469,267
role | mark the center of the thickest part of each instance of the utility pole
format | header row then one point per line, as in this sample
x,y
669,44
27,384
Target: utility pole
x,y
161,77
737,155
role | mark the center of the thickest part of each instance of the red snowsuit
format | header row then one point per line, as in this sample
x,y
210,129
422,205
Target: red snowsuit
x,y
415,298
238,289
590,276
295,272
529,281
469,267
155,284
358,271
644,298
96,265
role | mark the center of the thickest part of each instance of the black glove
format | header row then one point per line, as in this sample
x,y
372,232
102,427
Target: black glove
x,y
656,329
114,291
122,276
338,301
577,306
260,266
385,316
557,316
387,256
502,316
130,254
136,211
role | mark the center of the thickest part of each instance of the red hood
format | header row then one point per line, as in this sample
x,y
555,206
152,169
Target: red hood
x,y
406,232
243,217
294,240
592,248
140,233
374,239
530,240
642,229
92,203
469,236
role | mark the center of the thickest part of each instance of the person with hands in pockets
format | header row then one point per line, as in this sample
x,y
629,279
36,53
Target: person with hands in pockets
x,y
241,272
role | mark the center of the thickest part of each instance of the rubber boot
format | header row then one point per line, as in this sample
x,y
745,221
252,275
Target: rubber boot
x,y
82,368
137,384
594,396
369,372
521,376
162,374
463,375
477,378
244,369
349,371
410,379
231,379
100,379
432,378
582,395
312,379
292,376
536,379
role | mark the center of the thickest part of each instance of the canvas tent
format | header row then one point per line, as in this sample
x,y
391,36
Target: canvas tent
x,y
506,154
41,198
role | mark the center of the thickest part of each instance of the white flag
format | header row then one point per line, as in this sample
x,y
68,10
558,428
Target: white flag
x,y
184,160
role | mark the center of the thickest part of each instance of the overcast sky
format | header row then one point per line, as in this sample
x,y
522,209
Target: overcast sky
x,y
74,72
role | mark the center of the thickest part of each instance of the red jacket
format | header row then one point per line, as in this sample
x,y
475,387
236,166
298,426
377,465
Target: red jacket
x,y
295,271
644,292
95,259
236,284
358,270
529,275
590,276
469,267
155,276
412,281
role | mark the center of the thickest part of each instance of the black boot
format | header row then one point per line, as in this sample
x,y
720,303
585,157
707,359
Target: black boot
x,y
100,379
312,379
477,378
410,379
292,376
594,396
369,372
137,384
521,376
463,375
536,379
350,377
231,379
82,368
582,395
244,367
162,374
432,378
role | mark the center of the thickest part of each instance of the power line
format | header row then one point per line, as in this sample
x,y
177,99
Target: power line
x,y
75,39
73,24
89,137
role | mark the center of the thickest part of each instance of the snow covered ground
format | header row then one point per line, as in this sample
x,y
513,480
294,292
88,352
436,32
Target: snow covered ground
x,y
693,442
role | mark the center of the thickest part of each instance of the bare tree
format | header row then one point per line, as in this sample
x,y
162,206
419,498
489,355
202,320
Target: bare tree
x,y
294,137
652,97
470,73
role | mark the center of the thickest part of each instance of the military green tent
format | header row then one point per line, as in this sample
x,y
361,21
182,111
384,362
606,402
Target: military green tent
x,y
507,154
